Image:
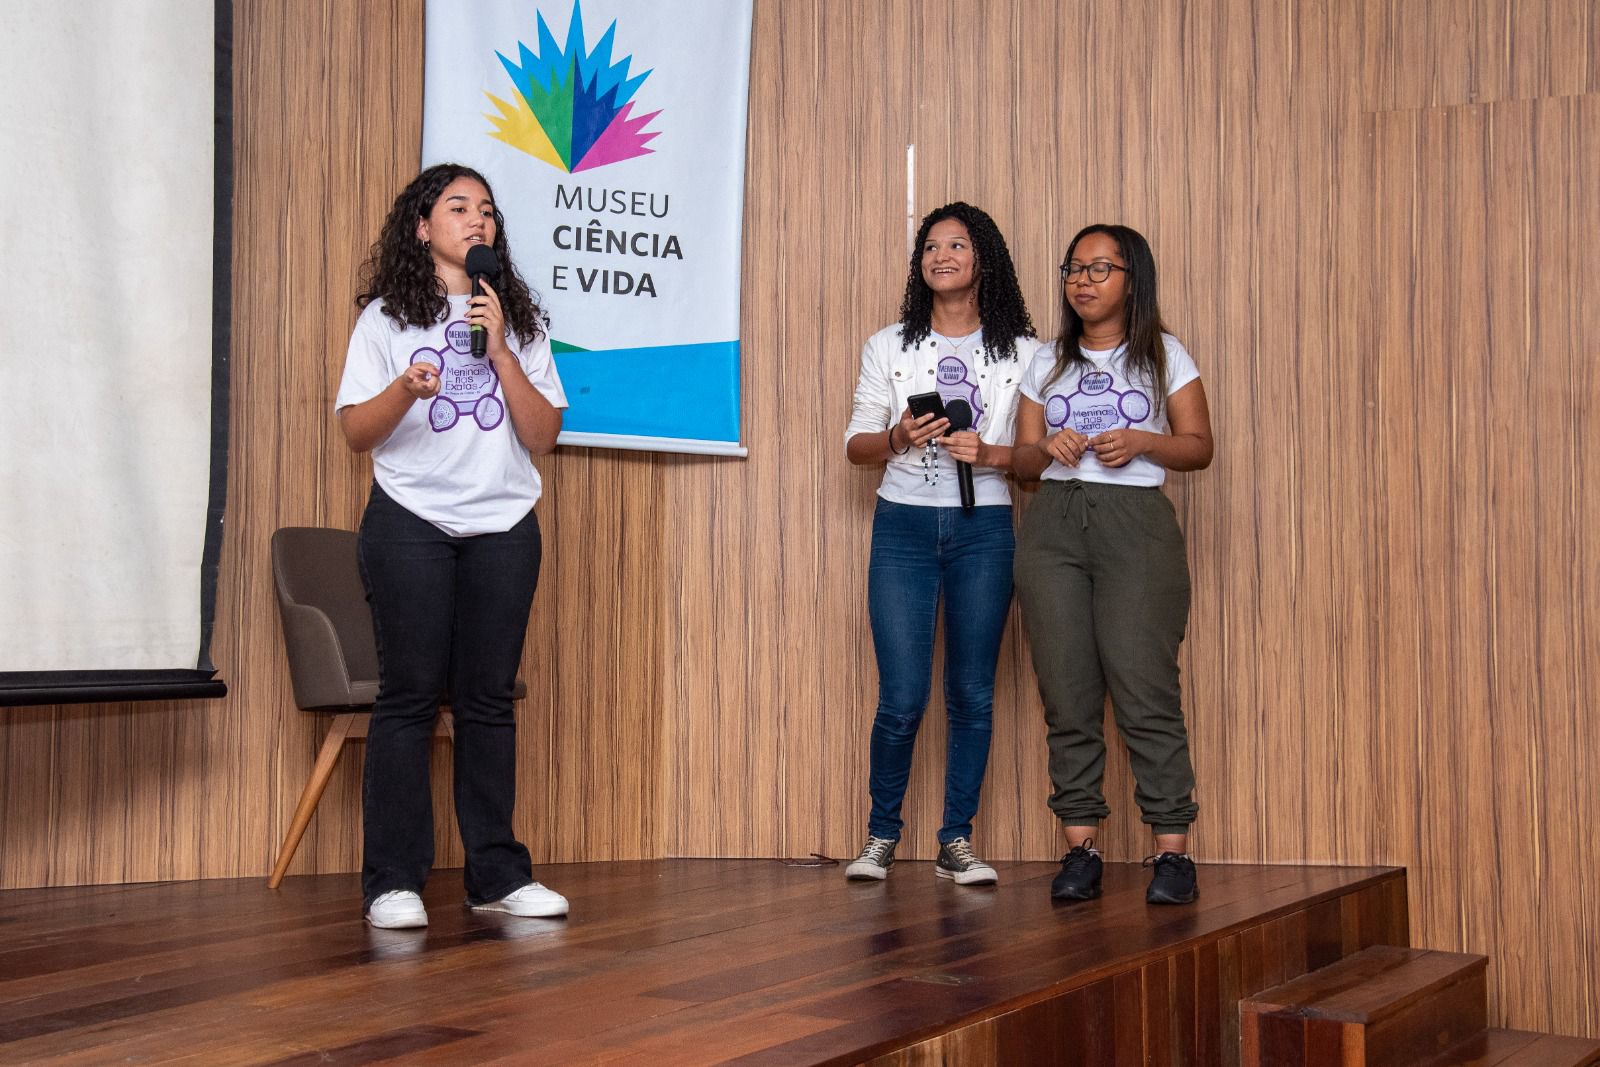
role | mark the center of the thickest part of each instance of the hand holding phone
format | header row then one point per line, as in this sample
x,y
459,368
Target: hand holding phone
x,y
924,420
922,404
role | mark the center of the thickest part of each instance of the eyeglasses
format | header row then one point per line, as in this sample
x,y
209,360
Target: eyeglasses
x,y
1099,271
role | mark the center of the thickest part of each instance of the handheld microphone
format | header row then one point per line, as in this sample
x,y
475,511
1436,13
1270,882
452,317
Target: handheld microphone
x,y
959,412
481,263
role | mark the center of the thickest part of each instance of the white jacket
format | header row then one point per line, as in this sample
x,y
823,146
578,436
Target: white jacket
x,y
890,375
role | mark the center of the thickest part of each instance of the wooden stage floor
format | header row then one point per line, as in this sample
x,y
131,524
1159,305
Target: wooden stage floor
x,y
673,961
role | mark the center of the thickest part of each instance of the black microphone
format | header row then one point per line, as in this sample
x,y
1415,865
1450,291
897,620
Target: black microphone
x,y
481,263
959,412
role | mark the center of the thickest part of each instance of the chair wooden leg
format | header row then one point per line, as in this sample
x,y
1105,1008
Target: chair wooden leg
x,y
327,759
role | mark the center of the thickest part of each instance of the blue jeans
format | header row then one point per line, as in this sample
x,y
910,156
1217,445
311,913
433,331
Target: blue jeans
x,y
916,551
450,615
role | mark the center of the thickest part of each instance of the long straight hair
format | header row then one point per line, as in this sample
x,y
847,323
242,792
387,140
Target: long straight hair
x,y
1146,354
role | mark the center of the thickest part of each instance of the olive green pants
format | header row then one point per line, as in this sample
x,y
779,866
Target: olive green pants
x,y
1104,586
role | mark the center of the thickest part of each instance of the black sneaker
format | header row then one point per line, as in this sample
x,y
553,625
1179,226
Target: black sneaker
x,y
877,856
961,865
1079,877
1174,880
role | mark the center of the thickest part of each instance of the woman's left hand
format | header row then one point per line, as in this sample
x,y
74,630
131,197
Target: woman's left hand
x,y
485,311
965,446
1115,448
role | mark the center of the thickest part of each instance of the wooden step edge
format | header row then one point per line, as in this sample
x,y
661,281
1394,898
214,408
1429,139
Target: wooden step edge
x,y
1351,989
1520,1048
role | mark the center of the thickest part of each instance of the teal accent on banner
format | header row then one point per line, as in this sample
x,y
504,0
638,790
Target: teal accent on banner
x,y
682,391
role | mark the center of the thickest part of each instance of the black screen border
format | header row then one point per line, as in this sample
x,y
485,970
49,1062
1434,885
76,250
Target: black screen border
x,y
29,688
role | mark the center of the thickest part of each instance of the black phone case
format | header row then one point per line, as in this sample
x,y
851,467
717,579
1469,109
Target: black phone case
x,y
926,404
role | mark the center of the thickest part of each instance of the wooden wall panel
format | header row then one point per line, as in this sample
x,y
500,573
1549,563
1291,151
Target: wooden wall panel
x,y
1430,53
1485,386
589,770
1371,221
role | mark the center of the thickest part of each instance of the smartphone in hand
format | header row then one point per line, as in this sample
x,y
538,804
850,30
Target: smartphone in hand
x,y
926,404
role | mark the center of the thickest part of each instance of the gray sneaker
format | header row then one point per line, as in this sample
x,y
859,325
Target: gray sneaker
x,y
961,865
877,856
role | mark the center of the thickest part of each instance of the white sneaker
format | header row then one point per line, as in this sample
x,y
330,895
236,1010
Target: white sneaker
x,y
398,909
532,899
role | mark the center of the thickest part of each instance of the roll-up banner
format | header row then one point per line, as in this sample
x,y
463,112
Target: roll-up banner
x,y
613,133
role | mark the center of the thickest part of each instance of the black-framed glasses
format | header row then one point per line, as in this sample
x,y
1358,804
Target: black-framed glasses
x,y
1099,270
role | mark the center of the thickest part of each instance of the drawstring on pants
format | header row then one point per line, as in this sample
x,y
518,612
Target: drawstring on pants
x,y
1076,491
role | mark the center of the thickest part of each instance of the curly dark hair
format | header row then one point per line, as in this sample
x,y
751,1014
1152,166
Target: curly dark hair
x,y
1142,328
400,270
1001,309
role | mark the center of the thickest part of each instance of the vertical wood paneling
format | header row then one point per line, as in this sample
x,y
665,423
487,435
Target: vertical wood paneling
x,y
1483,353
1430,53
1371,219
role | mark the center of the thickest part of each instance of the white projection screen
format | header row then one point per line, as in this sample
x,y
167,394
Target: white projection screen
x,y
115,192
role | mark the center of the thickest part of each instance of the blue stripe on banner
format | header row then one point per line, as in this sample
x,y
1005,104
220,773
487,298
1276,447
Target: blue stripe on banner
x,y
685,391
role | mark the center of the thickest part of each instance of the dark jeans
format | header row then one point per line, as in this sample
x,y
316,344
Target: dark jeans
x,y
916,551
450,615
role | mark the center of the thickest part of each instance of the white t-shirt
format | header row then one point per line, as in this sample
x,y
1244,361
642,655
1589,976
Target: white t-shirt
x,y
455,460
1100,398
952,368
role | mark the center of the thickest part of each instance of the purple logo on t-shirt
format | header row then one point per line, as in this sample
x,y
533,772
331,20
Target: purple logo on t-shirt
x,y
1096,406
955,382
466,384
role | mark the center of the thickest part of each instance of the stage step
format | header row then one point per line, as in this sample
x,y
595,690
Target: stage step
x,y
1382,1007
1519,1048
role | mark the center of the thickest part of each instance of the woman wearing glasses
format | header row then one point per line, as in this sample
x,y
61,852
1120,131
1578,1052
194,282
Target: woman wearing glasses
x,y
965,334
1107,409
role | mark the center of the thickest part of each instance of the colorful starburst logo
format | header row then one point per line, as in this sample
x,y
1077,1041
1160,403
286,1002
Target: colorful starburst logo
x,y
573,107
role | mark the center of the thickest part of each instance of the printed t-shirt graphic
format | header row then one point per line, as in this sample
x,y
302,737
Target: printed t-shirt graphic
x,y
467,384
1101,397
1096,404
955,381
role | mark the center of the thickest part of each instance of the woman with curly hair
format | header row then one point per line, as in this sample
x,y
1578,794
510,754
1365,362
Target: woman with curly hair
x,y
964,333
1107,409
449,545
